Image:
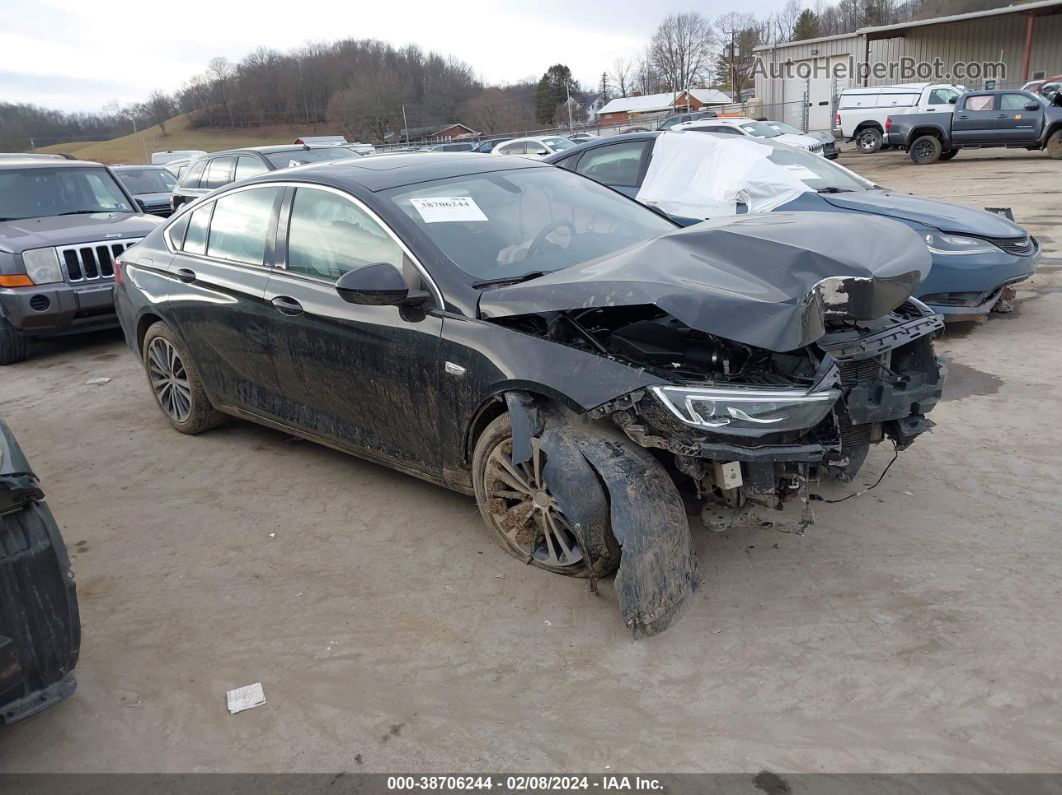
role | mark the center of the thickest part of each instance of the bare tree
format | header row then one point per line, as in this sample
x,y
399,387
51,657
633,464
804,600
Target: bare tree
x,y
159,108
371,104
681,48
785,21
621,76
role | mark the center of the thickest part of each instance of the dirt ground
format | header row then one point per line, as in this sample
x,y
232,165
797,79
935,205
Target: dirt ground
x,y
915,628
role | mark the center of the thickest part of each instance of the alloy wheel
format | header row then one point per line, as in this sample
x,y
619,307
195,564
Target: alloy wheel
x,y
169,380
524,510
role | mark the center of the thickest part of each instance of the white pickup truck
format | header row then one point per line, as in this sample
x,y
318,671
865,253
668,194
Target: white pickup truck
x,y
861,112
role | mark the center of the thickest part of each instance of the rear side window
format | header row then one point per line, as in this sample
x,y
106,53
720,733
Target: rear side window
x,y
195,240
190,179
617,164
219,172
514,149
177,231
980,102
249,166
329,235
240,226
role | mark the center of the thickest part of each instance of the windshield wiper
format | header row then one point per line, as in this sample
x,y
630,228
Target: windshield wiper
x,y
524,277
832,189
84,212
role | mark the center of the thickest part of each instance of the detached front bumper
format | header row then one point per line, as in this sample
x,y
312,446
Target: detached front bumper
x,y
60,308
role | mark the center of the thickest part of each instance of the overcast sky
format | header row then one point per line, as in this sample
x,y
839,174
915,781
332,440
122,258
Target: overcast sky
x,y
82,54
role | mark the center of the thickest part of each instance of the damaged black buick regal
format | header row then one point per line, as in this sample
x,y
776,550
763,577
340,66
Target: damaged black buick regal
x,y
580,364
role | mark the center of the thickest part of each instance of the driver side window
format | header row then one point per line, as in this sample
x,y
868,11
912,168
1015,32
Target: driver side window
x,y
329,235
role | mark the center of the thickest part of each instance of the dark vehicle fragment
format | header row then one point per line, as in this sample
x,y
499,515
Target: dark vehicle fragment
x,y
40,631
582,365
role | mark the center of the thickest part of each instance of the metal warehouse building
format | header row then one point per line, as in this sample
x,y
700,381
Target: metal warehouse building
x,y
1026,38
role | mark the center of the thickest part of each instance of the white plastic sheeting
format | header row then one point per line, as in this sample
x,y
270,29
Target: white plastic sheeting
x,y
696,175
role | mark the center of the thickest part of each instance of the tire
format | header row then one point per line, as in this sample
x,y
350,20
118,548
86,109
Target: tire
x,y
1054,145
948,154
175,384
925,149
13,346
869,140
531,541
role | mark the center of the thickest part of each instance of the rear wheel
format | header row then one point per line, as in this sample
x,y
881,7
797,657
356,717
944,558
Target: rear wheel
x,y
869,140
926,149
948,154
521,512
13,346
175,383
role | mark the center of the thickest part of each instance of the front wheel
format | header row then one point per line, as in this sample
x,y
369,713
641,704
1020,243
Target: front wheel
x,y
175,383
1054,145
926,149
869,140
522,514
13,347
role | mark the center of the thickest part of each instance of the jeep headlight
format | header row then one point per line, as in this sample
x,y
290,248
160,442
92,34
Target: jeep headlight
x,y
42,265
957,244
743,411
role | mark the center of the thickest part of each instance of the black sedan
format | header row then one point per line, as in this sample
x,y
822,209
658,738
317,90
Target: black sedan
x,y
518,332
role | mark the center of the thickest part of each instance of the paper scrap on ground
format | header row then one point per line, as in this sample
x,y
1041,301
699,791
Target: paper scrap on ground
x,y
245,697
438,209
97,381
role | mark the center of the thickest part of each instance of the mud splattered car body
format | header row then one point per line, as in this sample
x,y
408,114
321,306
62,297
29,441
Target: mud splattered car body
x,y
523,334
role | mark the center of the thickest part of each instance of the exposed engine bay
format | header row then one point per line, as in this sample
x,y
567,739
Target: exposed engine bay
x,y
744,427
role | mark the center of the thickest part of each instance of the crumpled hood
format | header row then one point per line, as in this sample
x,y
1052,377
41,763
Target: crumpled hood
x,y
63,230
945,216
763,280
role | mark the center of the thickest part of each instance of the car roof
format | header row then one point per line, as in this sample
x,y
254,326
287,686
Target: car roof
x,y
32,162
125,166
268,150
382,172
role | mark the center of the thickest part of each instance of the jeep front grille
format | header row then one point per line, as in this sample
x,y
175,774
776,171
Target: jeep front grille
x,y
88,262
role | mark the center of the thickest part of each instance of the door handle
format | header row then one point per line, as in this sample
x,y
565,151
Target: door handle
x,y
185,275
287,306
1003,116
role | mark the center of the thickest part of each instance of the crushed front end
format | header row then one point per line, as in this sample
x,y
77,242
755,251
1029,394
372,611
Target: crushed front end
x,y
749,430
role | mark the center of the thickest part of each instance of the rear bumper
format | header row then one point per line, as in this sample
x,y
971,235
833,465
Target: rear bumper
x,y
51,309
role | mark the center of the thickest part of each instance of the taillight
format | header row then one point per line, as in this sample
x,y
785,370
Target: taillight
x,y
837,120
117,271
888,123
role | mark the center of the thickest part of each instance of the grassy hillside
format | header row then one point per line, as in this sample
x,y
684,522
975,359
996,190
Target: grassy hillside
x,y
137,148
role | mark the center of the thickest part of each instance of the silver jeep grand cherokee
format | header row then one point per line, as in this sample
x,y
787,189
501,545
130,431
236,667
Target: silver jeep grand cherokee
x,y
62,223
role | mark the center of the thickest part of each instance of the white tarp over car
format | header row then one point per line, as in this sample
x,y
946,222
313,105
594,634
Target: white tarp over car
x,y
696,175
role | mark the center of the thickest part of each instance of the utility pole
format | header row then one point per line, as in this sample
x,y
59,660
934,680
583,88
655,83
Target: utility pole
x,y
568,102
736,95
405,123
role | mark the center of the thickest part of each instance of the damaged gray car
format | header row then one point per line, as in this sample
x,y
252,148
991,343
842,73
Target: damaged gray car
x,y
586,368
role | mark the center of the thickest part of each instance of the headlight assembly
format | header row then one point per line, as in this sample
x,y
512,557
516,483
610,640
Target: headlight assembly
x,y
747,411
957,244
42,265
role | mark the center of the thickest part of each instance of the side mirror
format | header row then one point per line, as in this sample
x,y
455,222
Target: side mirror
x,y
1032,106
378,284
952,100
140,203
542,152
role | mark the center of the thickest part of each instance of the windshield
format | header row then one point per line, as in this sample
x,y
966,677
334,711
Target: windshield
x,y
759,129
816,172
146,180
298,157
505,224
38,192
784,128
557,144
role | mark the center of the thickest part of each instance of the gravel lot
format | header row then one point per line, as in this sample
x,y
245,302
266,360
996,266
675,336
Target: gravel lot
x,y
915,628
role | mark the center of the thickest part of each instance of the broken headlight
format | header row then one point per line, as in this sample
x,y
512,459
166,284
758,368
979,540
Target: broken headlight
x,y
741,411
958,244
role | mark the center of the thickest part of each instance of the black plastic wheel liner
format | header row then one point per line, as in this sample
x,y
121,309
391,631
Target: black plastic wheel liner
x,y
599,479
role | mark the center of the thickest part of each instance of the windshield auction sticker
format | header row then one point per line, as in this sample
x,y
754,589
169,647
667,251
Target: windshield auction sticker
x,y
439,209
